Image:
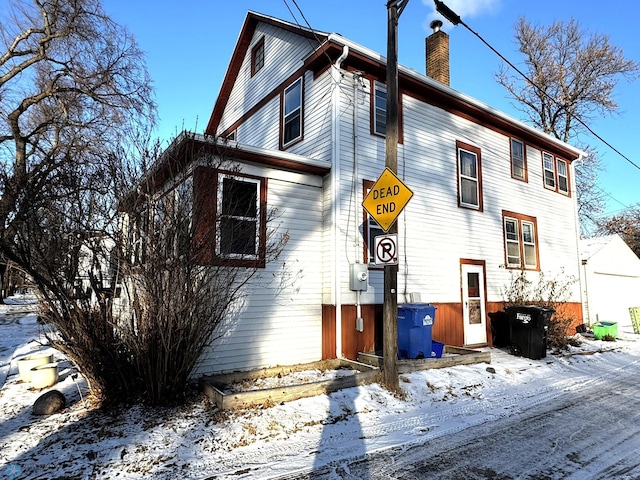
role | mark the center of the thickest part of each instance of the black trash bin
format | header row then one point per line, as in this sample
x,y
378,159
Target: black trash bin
x,y
500,329
528,326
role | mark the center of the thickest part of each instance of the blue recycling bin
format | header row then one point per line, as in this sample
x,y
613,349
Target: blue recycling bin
x,y
415,321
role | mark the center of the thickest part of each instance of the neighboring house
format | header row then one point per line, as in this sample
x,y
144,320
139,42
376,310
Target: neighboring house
x,y
303,113
610,279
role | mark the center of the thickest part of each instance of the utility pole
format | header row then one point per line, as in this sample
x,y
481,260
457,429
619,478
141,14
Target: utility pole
x,y
390,306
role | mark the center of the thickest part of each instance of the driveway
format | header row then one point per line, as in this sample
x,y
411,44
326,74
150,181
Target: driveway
x,y
590,430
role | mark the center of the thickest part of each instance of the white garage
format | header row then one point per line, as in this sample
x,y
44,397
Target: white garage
x,y
610,280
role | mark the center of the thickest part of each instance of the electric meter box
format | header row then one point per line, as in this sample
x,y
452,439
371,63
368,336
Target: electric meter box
x,y
358,277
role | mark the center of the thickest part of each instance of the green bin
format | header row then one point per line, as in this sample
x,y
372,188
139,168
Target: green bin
x,y
602,329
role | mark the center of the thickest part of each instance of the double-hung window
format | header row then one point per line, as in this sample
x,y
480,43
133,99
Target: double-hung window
x,y
520,237
548,166
229,222
379,108
292,113
469,176
518,160
563,176
556,173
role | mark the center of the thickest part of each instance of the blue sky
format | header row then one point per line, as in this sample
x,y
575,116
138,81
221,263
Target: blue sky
x,y
189,44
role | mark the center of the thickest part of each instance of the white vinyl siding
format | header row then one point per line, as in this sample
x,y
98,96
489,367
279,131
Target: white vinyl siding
x,y
283,54
280,322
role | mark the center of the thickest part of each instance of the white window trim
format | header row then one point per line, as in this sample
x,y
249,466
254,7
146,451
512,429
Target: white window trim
x,y
256,219
292,113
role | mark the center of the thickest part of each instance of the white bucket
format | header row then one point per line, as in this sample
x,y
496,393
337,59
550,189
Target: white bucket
x,y
44,376
25,365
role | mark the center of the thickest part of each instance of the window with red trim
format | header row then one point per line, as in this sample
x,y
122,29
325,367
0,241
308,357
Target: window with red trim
x,y
469,176
229,217
257,57
520,241
556,173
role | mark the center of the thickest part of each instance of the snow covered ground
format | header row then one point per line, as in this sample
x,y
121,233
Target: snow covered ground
x,y
199,442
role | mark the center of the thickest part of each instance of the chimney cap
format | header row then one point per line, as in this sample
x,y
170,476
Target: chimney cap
x,y
435,25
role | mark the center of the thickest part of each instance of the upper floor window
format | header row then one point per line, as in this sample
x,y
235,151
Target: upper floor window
x,y
257,57
563,176
292,113
520,237
549,171
379,108
556,173
469,176
518,160
229,217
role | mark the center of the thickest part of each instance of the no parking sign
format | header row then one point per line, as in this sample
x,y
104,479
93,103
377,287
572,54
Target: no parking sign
x,y
386,248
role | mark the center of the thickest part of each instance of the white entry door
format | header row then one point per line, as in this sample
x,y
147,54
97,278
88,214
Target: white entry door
x,y
473,305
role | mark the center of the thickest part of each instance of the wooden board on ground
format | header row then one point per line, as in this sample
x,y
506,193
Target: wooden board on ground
x,y
214,386
454,356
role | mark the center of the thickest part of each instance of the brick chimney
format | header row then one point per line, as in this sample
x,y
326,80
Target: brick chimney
x,y
437,47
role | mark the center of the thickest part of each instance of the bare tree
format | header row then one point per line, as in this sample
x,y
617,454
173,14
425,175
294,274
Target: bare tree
x,y
180,300
574,75
73,89
72,83
627,225
591,198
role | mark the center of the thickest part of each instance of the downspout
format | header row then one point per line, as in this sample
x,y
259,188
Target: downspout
x,y
576,214
335,197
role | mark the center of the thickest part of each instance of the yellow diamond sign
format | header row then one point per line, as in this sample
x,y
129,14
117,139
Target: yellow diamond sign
x,y
386,199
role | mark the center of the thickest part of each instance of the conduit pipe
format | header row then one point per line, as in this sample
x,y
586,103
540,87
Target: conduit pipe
x,y
336,198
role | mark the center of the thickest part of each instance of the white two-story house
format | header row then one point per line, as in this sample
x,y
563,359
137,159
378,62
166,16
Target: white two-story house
x,y
303,114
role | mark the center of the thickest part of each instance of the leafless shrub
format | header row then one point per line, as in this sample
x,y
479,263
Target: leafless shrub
x,y
545,292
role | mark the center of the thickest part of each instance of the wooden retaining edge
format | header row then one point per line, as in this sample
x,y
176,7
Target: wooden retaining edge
x,y
463,356
213,386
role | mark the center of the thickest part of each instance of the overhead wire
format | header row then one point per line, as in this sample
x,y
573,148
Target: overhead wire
x,y
455,19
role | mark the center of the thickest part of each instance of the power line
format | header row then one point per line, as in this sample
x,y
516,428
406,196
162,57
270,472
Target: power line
x,y
447,13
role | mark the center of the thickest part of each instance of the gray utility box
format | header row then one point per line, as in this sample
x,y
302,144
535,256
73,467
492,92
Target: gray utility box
x,y
358,277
